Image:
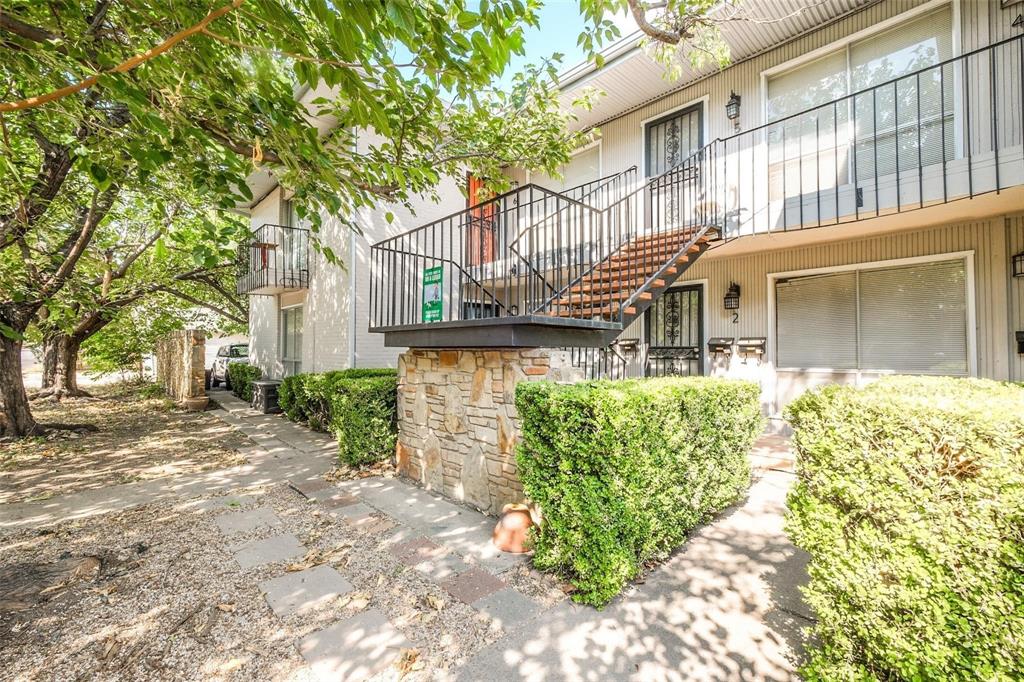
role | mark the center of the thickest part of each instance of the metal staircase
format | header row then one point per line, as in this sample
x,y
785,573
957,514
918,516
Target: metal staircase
x,y
537,267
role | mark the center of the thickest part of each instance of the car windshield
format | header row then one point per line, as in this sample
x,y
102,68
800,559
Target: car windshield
x,y
239,351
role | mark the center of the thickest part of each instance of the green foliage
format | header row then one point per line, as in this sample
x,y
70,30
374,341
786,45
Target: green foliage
x,y
242,375
307,397
910,501
364,418
357,405
623,470
150,391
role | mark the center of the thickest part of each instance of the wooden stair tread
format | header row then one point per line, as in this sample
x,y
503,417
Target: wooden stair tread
x,y
588,300
607,285
592,311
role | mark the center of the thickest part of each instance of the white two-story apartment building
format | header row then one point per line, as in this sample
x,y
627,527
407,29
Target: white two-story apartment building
x,y
844,200
307,314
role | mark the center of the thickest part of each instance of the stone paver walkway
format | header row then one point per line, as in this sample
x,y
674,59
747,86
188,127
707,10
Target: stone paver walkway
x,y
725,607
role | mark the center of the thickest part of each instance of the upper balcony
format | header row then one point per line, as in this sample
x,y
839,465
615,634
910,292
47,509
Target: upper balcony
x,y
275,260
948,131
538,268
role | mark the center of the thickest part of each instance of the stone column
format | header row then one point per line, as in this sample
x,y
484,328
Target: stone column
x,y
457,421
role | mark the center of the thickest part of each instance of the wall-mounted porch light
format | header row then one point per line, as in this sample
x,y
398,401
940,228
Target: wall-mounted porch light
x,y
732,297
732,110
1018,265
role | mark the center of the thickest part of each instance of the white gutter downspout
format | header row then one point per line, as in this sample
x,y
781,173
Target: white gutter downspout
x,y
352,298
352,282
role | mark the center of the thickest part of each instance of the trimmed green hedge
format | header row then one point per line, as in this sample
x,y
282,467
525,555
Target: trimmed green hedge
x,y
910,501
359,406
623,470
306,397
242,376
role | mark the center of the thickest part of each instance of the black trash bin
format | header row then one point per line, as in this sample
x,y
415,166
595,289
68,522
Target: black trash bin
x,y
264,396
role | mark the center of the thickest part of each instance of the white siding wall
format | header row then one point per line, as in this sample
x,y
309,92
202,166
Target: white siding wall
x,y
986,238
369,348
976,24
336,314
1015,239
263,318
326,332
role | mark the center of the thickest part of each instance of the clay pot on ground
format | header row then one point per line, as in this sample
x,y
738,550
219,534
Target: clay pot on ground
x,y
512,530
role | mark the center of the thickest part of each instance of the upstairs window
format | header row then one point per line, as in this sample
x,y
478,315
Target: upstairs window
x,y
813,150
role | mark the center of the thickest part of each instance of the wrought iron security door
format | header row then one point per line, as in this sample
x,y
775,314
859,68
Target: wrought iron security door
x,y
674,333
669,142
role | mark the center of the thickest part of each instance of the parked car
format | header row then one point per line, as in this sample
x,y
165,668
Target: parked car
x,y
227,355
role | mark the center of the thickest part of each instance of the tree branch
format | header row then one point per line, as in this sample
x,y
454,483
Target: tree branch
x,y
640,16
204,304
123,67
12,24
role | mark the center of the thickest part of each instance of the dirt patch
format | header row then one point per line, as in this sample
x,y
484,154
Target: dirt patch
x,y
176,606
167,603
138,438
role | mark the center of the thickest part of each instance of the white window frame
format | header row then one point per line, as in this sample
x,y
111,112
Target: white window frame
x,y
280,333
972,328
856,37
705,132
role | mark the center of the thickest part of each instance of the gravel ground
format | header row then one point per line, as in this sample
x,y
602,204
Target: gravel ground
x,y
169,603
139,438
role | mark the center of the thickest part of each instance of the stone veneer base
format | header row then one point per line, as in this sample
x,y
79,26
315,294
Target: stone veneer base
x,y
457,420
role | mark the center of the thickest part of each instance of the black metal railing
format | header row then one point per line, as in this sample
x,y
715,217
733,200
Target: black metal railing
x,y
500,258
947,131
275,259
950,130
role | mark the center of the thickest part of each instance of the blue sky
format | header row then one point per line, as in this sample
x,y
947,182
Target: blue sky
x,y
560,26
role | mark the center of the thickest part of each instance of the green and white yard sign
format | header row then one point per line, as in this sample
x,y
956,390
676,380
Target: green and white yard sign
x,y
432,304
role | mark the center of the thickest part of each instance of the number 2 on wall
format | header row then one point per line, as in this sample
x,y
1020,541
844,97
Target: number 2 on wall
x,y
735,318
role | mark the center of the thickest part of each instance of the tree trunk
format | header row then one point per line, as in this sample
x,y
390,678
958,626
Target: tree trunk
x,y
16,418
60,363
65,370
49,361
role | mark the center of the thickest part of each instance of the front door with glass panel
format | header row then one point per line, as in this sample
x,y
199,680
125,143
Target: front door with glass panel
x,y
675,332
669,142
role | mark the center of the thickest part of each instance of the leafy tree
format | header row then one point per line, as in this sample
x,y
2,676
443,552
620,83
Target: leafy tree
x,y
121,345
97,98
150,246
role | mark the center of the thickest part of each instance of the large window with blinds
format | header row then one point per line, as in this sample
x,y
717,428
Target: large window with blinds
x,y
908,319
897,121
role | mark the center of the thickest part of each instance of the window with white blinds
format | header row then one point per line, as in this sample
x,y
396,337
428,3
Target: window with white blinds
x,y
909,319
291,340
889,119
817,321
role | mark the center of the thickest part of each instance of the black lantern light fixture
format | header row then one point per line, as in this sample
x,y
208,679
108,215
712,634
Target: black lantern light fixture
x,y
732,110
732,297
1018,265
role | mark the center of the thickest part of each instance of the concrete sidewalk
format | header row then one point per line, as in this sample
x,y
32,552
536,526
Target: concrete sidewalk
x,y
282,451
725,607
